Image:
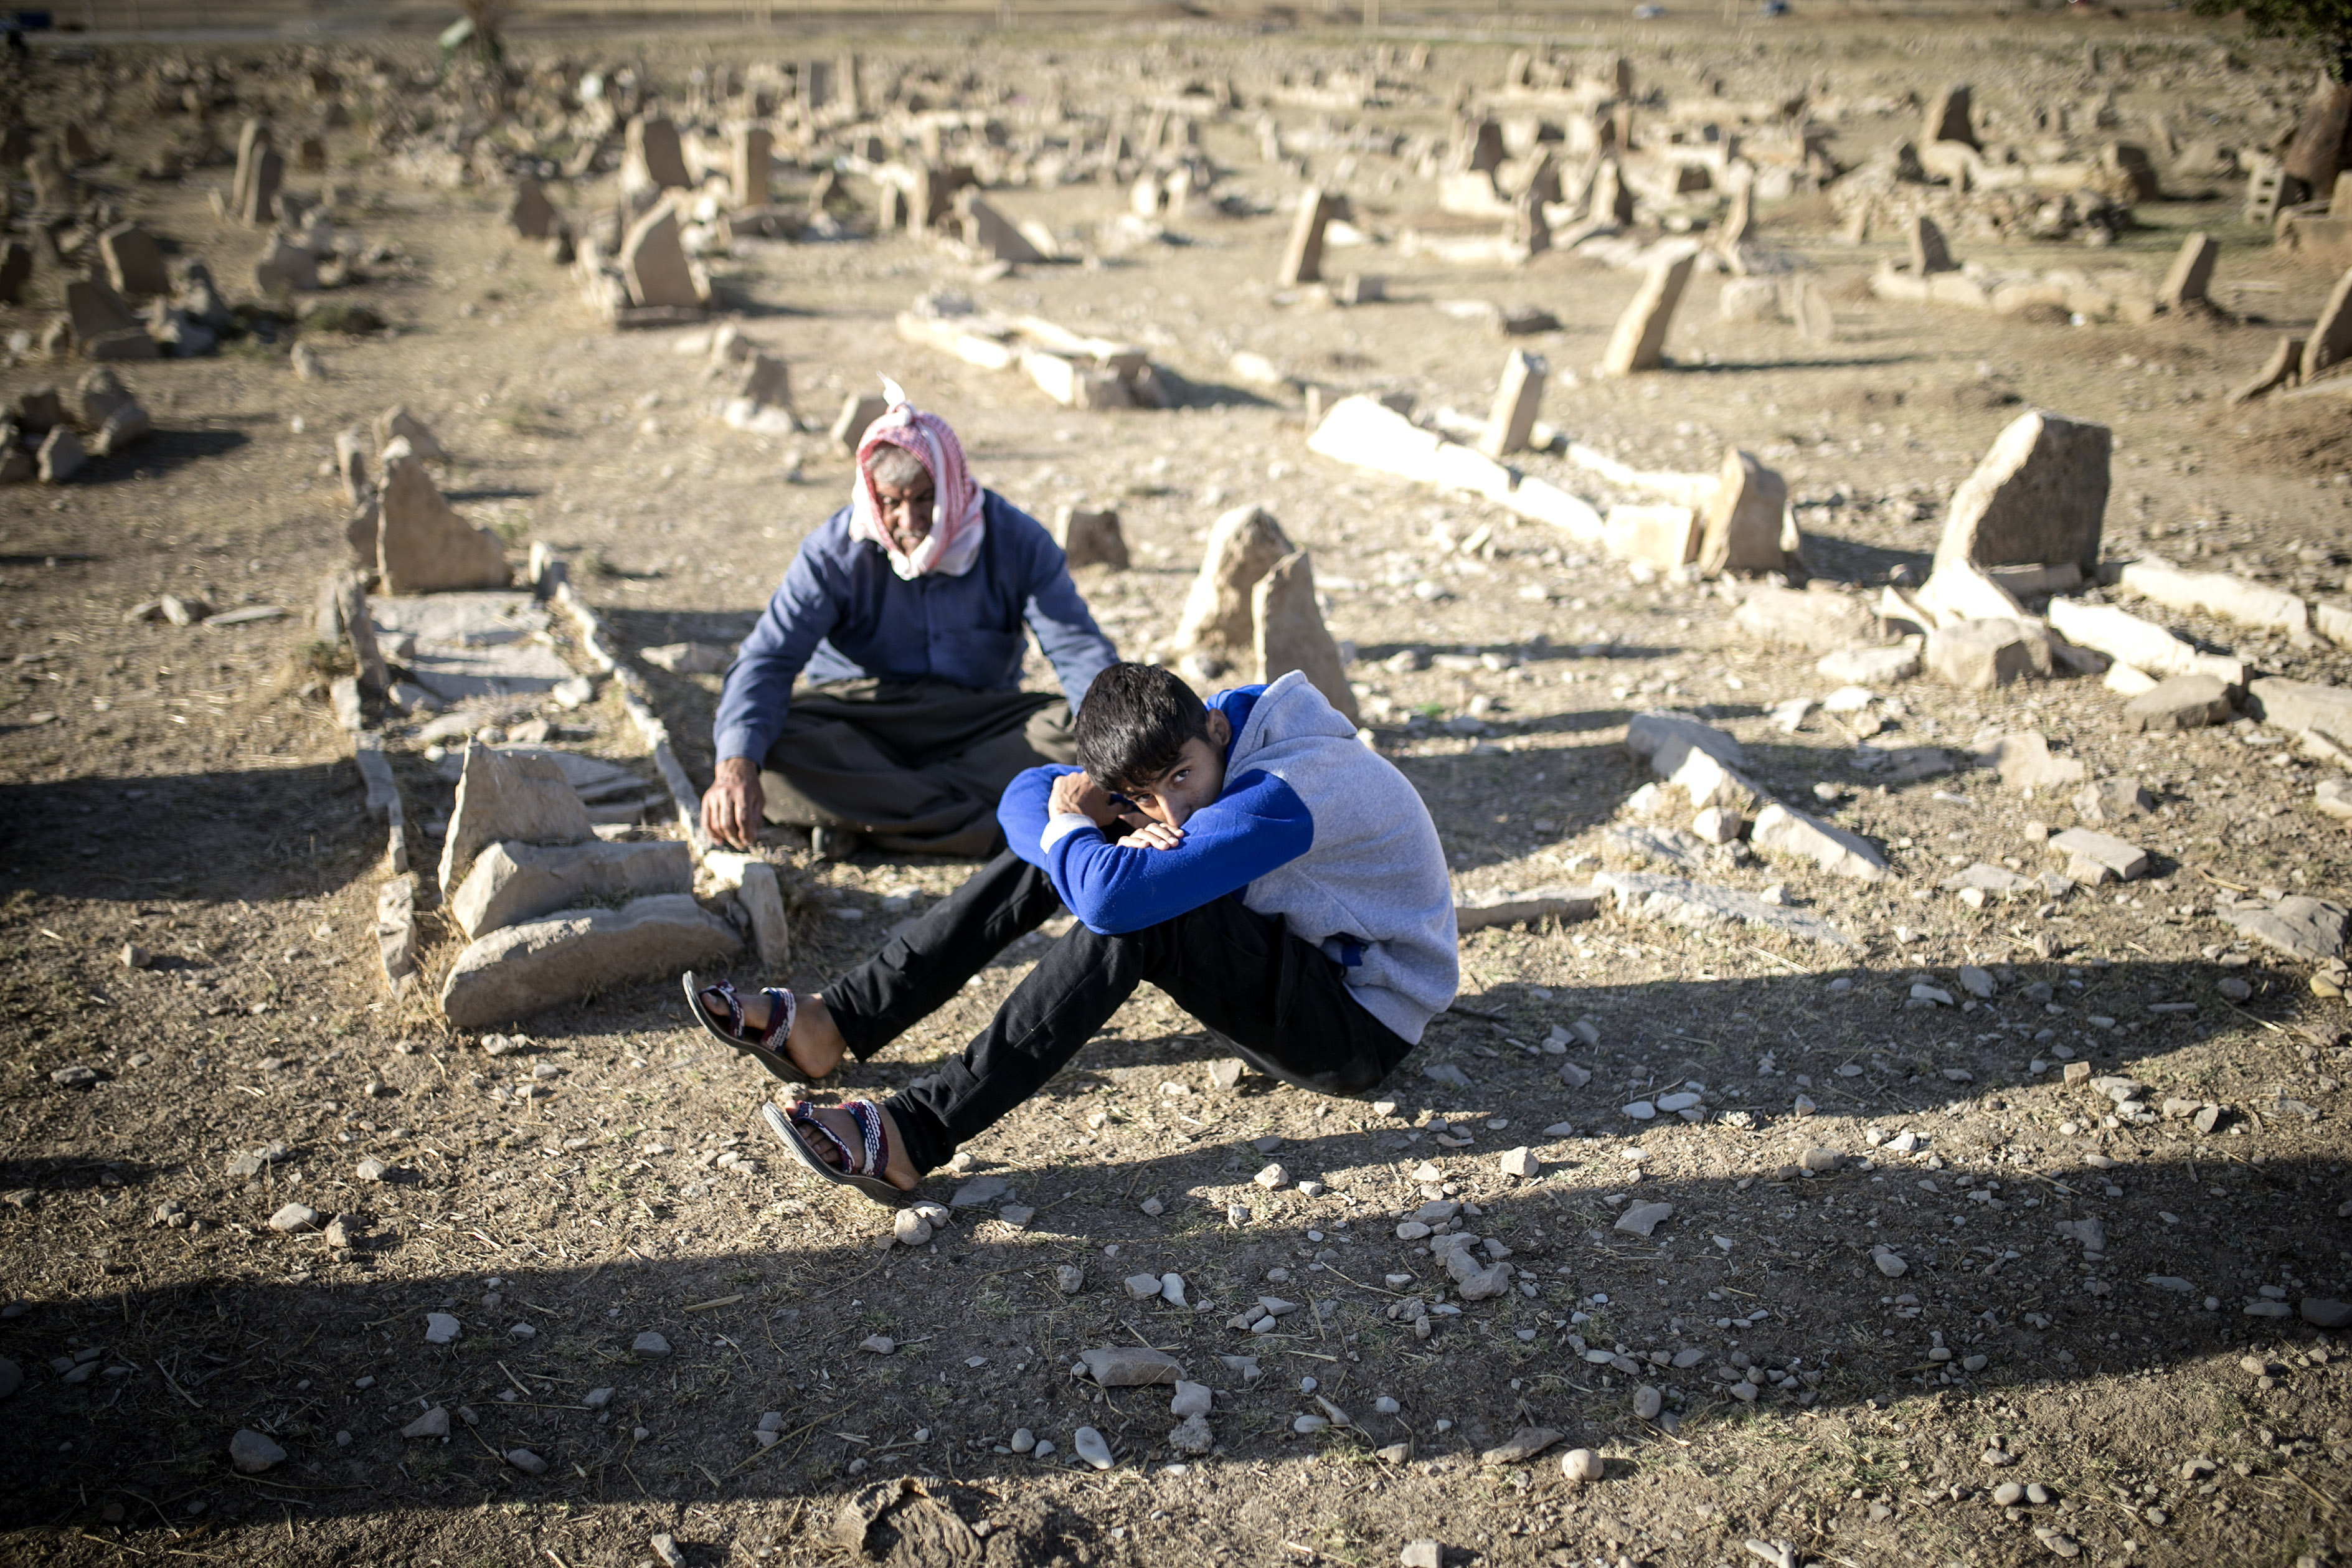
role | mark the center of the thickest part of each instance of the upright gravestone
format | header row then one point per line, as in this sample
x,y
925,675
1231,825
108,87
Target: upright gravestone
x,y
656,154
1929,254
2191,273
2039,497
1947,117
268,173
1517,400
1613,199
1090,538
2331,336
251,137
425,547
1639,342
1289,632
654,262
531,214
1743,526
747,166
1216,631
1302,258
987,233
134,263
1811,307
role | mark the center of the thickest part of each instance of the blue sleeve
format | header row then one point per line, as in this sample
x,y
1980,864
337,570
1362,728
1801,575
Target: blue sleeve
x,y
1023,812
1064,628
759,688
1256,826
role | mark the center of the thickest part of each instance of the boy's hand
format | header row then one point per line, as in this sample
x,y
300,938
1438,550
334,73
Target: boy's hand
x,y
1151,835
1076,794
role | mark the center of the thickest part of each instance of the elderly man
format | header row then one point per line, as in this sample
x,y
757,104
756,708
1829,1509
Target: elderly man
x,y
905,610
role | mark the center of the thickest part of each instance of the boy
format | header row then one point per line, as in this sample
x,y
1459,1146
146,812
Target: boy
x,y
1278,880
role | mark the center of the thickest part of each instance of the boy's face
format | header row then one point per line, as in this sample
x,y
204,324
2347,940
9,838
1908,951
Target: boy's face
x,y
1196,779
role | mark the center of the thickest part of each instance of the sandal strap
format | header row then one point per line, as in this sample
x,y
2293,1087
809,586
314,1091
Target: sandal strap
x,y
804,1116
870,1161
782,1005
725,991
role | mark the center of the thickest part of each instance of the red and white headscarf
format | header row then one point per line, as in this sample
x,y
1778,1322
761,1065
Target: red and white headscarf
x,y
957,525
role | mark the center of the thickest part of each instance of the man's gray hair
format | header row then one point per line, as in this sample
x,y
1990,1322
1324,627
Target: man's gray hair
x,y
895,467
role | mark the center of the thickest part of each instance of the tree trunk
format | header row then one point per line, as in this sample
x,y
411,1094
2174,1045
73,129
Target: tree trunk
x,y
2318,150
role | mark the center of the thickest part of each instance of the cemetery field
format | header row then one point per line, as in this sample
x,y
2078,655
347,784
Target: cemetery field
x,y
1856,571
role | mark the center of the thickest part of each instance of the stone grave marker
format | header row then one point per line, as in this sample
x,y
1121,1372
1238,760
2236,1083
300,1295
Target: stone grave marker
x,y
1517,400
654,150
654,262
1217,630
1742,530
1947,115
531,214
1302,258
2331,337
268,173
1929,254
1640,341
1289,633
2039,497
747,172
423,546
2192,272
134,263
1090,538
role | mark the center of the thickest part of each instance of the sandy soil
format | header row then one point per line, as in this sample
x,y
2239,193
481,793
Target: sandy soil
x,y
185,790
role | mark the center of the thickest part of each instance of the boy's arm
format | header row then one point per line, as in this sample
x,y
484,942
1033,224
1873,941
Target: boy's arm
x,y
1257,825
1023,811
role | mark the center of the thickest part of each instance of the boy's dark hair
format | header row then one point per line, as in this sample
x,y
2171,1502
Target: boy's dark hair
x,y
1134,723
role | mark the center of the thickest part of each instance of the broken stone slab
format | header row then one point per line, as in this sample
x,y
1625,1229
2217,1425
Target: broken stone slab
x,y
1090,538
1929,252
1665,740
1522,1446
2128,861
2219,593
2190,274
2024,759
1289,633
2112,800
283,264
1639,341
1640,1219
1817,622
1785,832
754,884
2143,645
989,235
2180,703
1869,666
1664,536
515,881
2302,705
1122,1366
507,798
1367,434
1674,900
60,457
1977,656
1744,529
465,646
2279,369
1478,911
1990,879
2303,927
423,546
527,968
1218,627
655,265
2040,495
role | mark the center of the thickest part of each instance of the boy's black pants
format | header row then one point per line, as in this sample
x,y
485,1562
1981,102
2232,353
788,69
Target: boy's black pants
x,y
1276,1000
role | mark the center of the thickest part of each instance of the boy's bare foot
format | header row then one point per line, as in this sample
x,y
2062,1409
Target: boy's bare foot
x,y
814,1044
897,1169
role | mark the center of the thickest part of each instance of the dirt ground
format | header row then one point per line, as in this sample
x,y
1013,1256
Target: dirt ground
x,y
187,790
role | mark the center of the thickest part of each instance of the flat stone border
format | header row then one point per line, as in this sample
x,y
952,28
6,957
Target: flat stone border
x,y
635,697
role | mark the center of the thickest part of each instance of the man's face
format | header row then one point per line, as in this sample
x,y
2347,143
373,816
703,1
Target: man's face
x,y
1196,780
906,512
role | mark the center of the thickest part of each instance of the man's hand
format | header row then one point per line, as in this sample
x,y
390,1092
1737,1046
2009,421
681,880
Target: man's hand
x,y
730,806
1076,794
